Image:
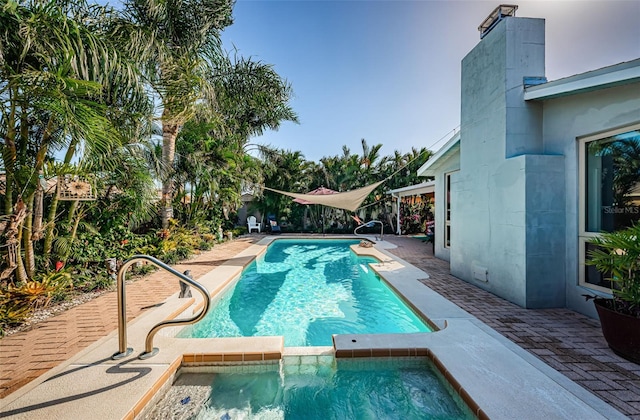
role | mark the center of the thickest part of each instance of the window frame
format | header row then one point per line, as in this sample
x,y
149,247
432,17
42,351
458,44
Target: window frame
x,y
583,234
446,243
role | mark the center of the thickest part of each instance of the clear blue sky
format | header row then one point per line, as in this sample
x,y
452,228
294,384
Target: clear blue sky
x,y
389,71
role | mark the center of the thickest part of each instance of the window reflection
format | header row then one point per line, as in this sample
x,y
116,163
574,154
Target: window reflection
x,y
613,182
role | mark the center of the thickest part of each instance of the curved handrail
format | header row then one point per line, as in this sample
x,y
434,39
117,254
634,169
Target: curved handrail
x,y
150,351
370,223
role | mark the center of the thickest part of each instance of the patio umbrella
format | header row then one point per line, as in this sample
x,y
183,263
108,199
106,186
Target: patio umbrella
x,y
318,191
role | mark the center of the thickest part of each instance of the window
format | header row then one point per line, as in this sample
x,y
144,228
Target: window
x,y
447,214
610,191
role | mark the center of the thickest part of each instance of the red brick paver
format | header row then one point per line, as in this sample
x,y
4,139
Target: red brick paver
x,y
26,355
566,340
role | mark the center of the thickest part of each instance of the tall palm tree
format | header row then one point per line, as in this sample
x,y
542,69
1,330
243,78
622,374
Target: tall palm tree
x,y
287,171
177,43
62,83
250,98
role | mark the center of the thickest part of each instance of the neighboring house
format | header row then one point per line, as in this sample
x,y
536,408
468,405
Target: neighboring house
x,y
536,169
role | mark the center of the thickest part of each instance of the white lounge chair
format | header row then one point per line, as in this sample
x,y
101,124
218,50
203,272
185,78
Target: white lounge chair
x,y
252,224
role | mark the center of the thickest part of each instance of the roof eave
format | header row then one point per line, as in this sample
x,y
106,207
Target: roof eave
x,y
617,75
422,188
450,147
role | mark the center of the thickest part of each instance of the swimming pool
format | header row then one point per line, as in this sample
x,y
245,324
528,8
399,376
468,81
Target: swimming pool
x,y
306,290
316,388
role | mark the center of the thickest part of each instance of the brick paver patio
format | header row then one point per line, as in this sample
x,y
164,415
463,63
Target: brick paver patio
x,y
26,355
566,340
569,342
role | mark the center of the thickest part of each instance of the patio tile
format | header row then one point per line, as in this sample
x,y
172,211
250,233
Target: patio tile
x,y
56,339
621,405
567,341
594,385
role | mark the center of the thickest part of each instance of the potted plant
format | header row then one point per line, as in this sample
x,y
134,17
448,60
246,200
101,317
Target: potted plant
x,y
618,255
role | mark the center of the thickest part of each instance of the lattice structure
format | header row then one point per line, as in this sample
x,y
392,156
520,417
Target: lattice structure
x,y
12,254
76,188
10,260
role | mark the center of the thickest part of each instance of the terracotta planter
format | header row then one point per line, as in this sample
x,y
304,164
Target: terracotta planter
x,y
621,331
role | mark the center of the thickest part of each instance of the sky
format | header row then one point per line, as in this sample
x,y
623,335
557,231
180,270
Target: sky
x,y
389,71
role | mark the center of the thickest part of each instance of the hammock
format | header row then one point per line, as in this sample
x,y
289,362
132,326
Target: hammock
x,y
348,200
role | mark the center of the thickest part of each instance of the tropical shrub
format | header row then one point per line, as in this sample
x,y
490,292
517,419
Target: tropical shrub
x,y
413,217
618,255
17,302
12,311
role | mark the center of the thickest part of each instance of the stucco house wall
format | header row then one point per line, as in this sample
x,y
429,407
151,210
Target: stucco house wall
x,y
566,120
516,196
507,226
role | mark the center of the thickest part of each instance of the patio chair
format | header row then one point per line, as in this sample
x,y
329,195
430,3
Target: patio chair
x,y
252,224
273,225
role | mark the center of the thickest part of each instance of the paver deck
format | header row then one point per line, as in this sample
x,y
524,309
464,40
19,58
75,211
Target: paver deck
x,y
569,342
26,355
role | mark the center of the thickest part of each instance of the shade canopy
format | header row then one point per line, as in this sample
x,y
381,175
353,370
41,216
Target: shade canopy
x,y
317,191
348,200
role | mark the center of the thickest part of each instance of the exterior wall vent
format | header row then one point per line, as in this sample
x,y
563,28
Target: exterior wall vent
x,y
499,13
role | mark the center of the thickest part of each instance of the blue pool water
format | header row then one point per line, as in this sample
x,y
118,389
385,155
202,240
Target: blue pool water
x,y
391,389
307,290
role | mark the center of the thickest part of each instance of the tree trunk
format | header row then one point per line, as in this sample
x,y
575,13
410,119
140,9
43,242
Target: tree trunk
x,y
51,224
74,230
8,189
72,211
38,210
29,257
21,274
169,134
12,237
53,210
9,156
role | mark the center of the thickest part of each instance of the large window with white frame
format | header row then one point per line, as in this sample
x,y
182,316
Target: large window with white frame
x,y
609,192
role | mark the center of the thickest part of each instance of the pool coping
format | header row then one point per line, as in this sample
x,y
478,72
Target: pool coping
x,y
503,380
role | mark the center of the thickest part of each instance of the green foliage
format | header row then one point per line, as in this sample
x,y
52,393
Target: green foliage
x,y
618,255
144,269
17,302
39,293
76,80
12,311
119,243
179,243
413,217
94,277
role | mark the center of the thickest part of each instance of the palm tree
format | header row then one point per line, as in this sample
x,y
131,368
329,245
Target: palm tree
x,y
251,97
62,84
212,160
177,44
369,161
286,171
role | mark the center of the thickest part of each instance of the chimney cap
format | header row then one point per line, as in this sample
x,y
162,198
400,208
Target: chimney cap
x,y
500,12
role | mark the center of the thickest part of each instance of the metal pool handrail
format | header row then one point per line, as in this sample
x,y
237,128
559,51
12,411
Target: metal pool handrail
x,y
149,350
370,224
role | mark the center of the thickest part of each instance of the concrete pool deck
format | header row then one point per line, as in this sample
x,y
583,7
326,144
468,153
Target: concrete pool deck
x,y
499,375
